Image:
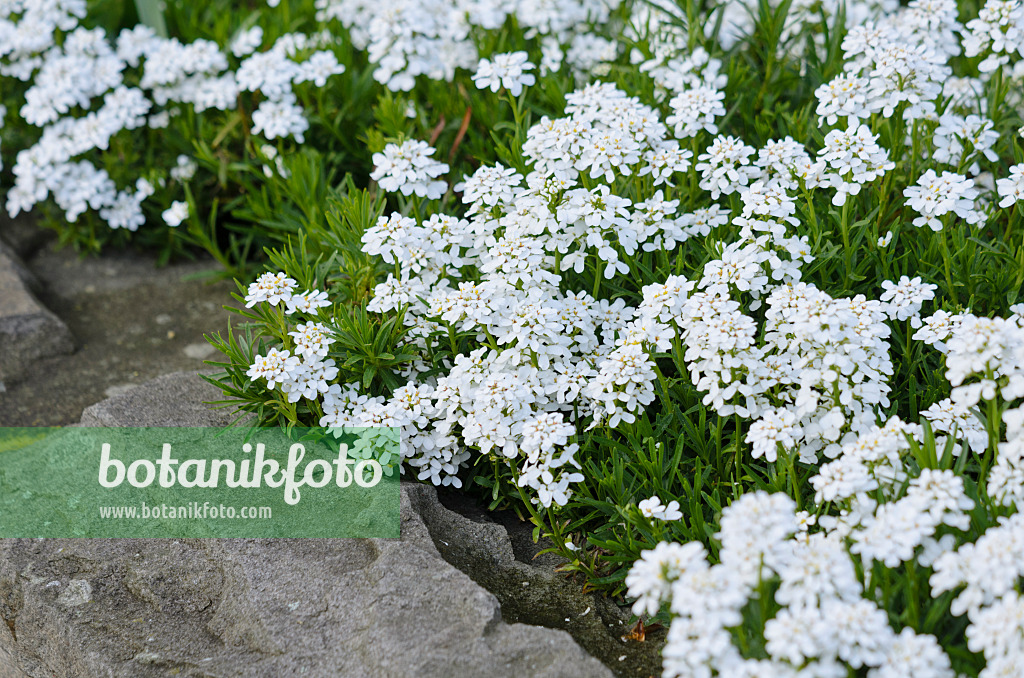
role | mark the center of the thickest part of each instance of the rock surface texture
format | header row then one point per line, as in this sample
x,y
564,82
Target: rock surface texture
x,y
75,329
136,608
28,330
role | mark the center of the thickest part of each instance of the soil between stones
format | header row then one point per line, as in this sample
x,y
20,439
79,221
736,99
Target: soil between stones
x,y
131,322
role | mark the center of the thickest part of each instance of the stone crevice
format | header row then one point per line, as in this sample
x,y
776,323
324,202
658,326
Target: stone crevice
x,y
255,608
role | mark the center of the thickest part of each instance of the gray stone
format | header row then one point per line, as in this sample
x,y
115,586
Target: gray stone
x,y
77,592
261,607
130,319
15,263
28,331
171,400
199,350
502,557
118,389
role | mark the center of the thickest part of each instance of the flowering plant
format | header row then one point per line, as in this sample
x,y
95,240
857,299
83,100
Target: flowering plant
x,y
723,298
655,315
113,131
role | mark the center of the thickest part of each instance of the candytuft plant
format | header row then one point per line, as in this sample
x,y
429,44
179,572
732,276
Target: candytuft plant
x,y
723,297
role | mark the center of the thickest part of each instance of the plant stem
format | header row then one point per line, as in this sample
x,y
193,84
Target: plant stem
x,y
946,257
847,250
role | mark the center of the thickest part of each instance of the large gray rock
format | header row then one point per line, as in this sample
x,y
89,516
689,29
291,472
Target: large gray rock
x,y
258,607
502,557
171,400
136,608
28,331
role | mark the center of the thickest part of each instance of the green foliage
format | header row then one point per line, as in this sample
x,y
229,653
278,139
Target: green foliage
x,y
303,210
678,448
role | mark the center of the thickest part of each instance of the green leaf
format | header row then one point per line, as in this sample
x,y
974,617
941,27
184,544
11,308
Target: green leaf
x,y
151,13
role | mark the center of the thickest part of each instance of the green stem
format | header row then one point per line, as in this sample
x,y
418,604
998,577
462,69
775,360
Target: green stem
x,y
791,465
913,618
946,258
847,250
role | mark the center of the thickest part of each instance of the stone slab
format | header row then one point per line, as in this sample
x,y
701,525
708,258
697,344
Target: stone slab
x,y
28,330
175,399
220,608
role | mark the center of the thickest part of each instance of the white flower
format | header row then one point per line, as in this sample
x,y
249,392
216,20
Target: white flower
x,y
651,577
694,110
307,302
176,213
309,380
955,131
947,416
279,119
271,288
724,166
653,508
935,196
509,70
904,300
318,68
845,96
1011,189
277,367
410,169
775,428
247,41
185,169
854,158
548,458
312,340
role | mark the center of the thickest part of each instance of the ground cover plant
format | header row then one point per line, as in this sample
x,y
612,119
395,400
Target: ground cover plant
x,y
173,134
724,298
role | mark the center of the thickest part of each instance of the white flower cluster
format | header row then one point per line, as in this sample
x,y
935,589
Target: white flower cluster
x,y
407,39
997,33
664,23
904,298
935,196
958,420
808,372
900,61
819,374
510,71
849,160
888,512
987,351
408,167
71,68
545,444
304,371
824,626
812,379
984,359
548,356
989,570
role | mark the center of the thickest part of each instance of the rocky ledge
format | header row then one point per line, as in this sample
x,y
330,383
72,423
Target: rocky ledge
x,y
415,606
